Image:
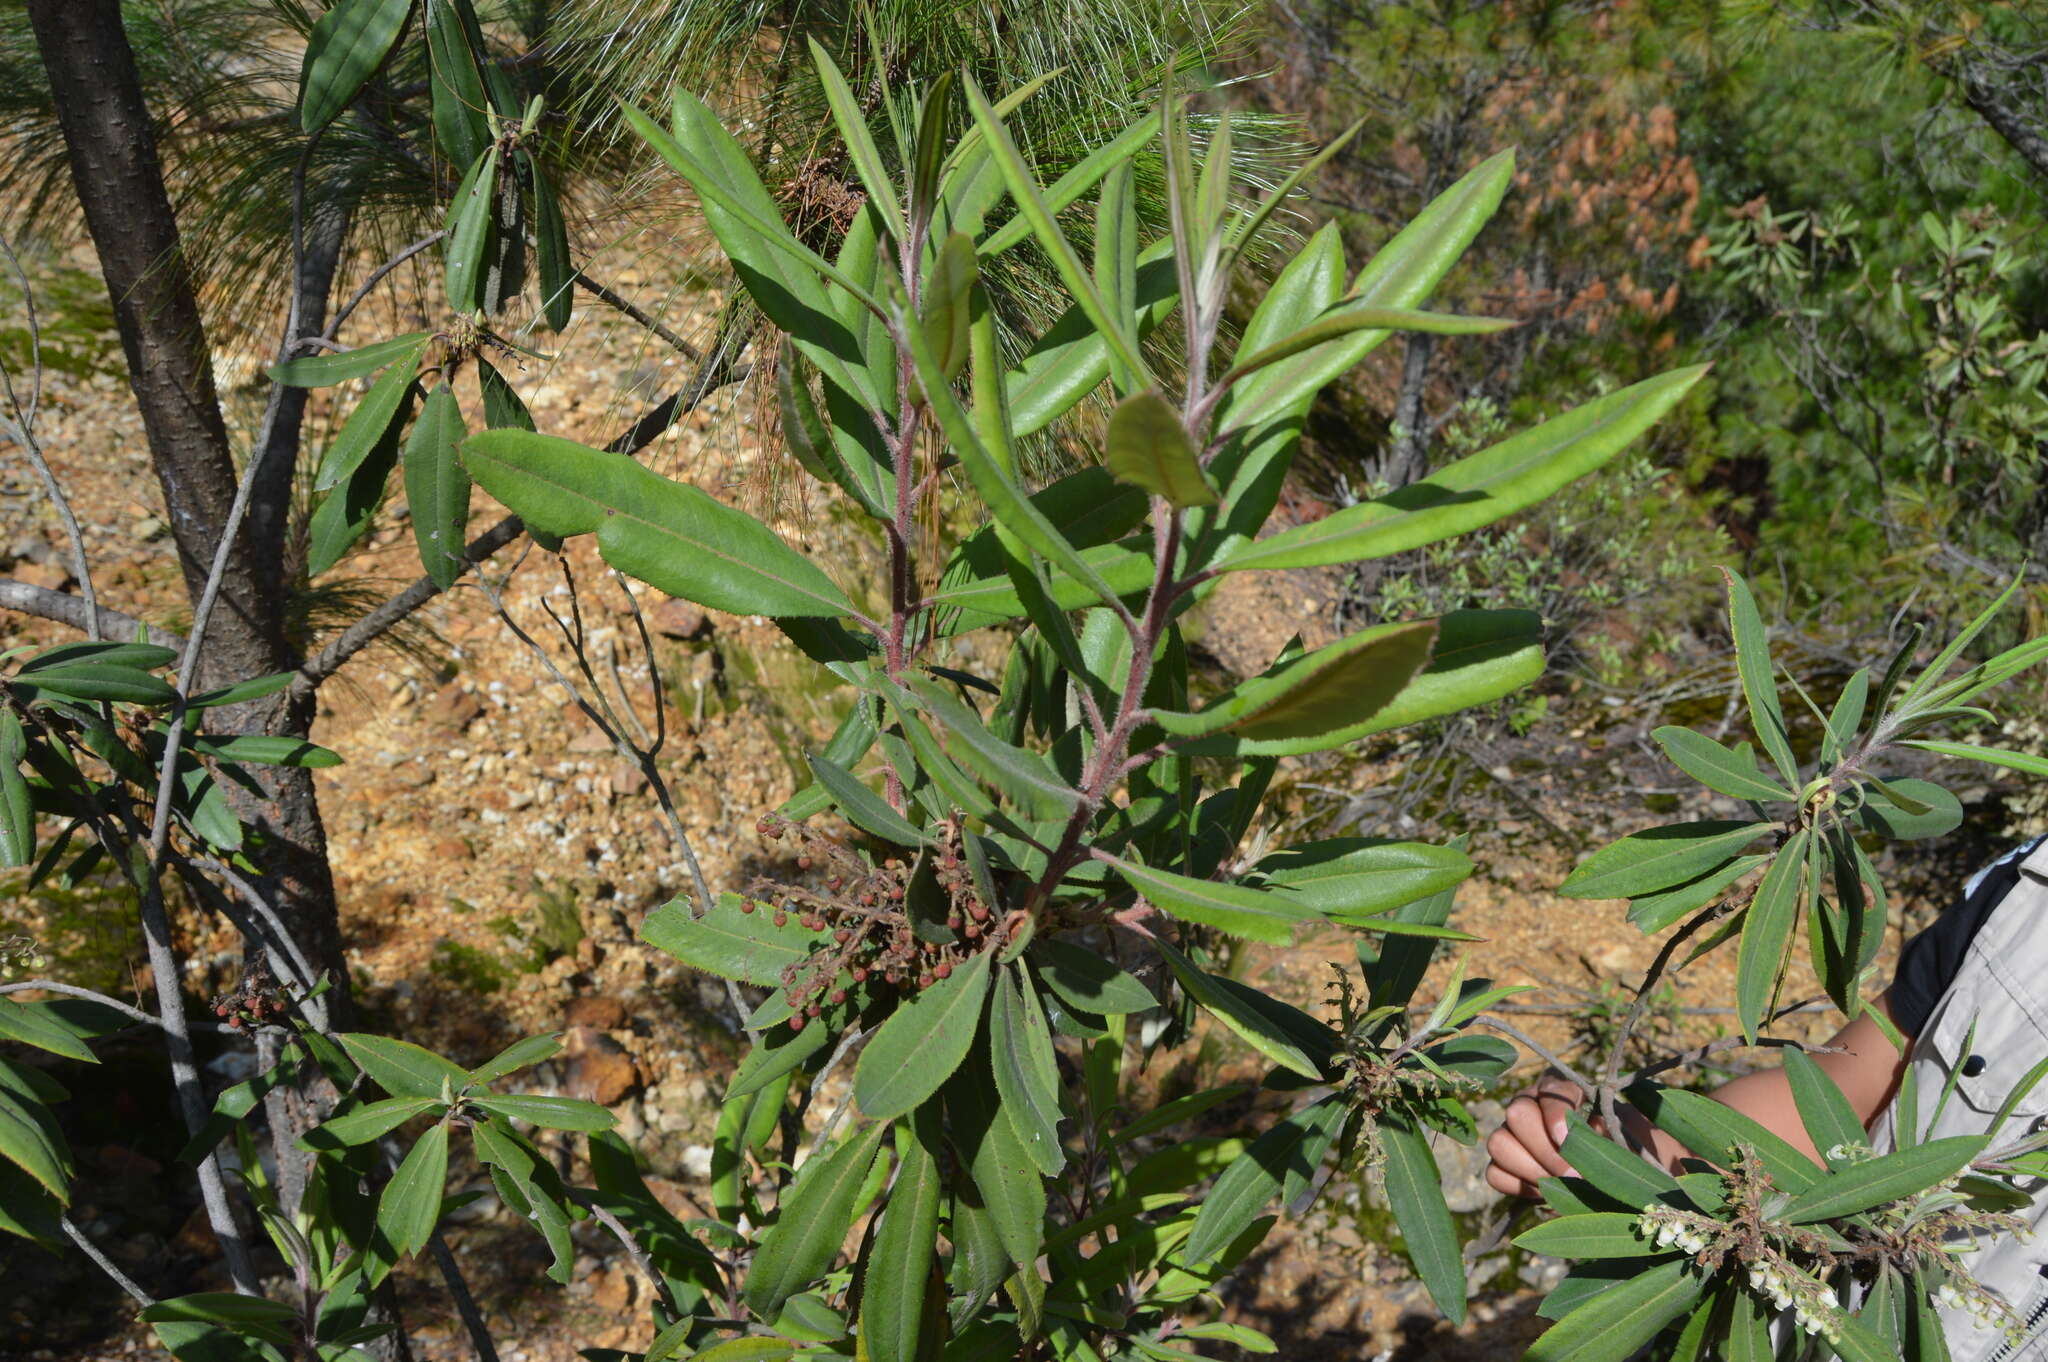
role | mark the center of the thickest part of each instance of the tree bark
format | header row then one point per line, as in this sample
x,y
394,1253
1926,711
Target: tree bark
x,y
111,145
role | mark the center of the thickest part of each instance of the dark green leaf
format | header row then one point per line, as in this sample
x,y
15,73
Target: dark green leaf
x,y
1615,1322
520,1054
1148,447
367,1123
29,1026
96,681
552,1113
1087,979
898,1269
1944,812
730,943
1477,490
1655,911
1598,1234
1288,1037
923,1041
411,1202
1659,858
1316,700
864,808
327,369
1759,680
469,223
1823,1110
343,51
1773,913
1415,1194
146,656
1712,1131
949,301
503,408
1289,1151
816,1212
1352,877
17,813
1259,914
1728,771
1859,1187
373,421
665,533
402,1068
1612,1169
263,749
557,271
437,486
1027,1072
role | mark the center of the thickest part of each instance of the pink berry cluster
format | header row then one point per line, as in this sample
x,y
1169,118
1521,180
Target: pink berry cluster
x,y
862,905
258,1000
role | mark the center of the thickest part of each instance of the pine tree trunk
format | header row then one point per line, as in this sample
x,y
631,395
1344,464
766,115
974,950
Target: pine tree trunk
x,y
111,145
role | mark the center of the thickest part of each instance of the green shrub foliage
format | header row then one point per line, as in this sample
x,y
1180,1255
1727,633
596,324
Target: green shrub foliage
x,y
1027,850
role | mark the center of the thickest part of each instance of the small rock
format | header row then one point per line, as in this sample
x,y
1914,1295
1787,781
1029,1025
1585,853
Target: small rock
x,y
590,740
50,576
148,529
455,706
628,779
595,1012
598,1069
453,849
679,619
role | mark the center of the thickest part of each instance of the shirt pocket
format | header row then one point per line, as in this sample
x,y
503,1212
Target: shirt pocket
x,y
1988,1041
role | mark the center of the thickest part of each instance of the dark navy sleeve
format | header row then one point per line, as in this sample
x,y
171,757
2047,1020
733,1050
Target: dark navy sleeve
x,y
1930,961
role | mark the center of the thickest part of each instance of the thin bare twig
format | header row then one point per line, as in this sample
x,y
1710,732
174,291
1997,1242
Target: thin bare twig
x,y
465,1302
105,1264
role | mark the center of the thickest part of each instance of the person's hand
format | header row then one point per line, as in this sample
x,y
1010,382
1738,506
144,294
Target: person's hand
x,y
1528,1146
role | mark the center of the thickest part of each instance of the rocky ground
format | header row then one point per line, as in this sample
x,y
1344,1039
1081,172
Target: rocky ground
x,y
495,855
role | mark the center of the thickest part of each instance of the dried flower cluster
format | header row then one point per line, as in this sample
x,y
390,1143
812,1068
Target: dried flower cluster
x,y
904,926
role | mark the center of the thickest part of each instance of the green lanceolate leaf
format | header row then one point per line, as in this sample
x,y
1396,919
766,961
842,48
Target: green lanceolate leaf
x,y
922,1042
1884,811
1598,1234
1353,877
949,302
864,808
326,370
1345,320
860,143
1658,858
1759,680
343,51
1728,771
1071,358
411,1203
1654,911
95,681
1823,1110
30,1139
439,488
1316,698
17,813
469,222
402,1068
1773,913
1087,979
899,1267
520,1054
548,1112
263,749
1021,776
372,421
1287,1036
1148,447
665,533
1477,490
816,1213
551,237
1027,1073
370,1122
1007,1188
1860,1187
1614,1170
1415,1194
1713,1130
1290,1151
1613,1323
1235,908
33,1026
345,513
729,941
1034,209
